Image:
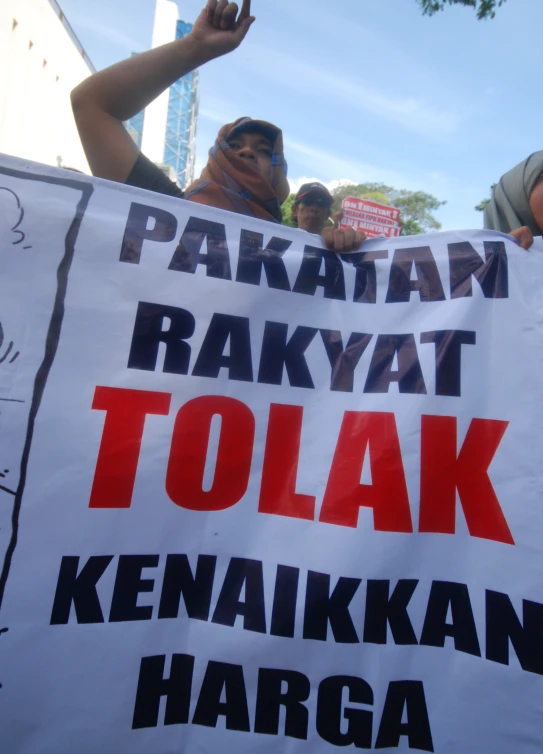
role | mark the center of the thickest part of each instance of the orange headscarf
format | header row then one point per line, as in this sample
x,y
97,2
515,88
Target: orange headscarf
x,y
230,182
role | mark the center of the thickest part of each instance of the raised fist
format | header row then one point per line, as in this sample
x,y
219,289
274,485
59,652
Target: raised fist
x,y
219,27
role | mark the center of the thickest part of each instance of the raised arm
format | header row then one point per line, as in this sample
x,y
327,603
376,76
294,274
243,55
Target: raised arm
x,y
103,101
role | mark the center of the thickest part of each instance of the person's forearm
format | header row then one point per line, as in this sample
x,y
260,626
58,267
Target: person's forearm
x,y
126,88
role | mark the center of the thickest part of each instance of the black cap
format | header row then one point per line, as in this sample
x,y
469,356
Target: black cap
x,y
248,125
313,188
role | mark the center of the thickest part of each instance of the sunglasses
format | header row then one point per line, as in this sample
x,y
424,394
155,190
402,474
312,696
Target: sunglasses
x,y
320,201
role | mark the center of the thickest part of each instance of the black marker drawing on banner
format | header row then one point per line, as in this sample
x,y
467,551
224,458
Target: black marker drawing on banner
x,y
8,350
3,487
12,211
3,631
85,190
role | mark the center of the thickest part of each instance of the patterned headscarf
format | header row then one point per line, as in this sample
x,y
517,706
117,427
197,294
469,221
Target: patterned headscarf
x,y
230,182
509,207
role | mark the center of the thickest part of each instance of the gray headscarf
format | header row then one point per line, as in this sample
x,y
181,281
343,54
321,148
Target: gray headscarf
x,y
509,207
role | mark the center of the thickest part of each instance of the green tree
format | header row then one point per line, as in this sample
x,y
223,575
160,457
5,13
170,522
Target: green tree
x,y
287,211
416,206
484,8
482,205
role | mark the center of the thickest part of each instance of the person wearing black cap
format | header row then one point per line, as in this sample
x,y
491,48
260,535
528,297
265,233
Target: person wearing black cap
x,y
311,207
310,211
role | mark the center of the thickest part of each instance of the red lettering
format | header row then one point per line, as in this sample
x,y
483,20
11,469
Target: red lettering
x,y
387,494
278,491
119,452
188,454
443,472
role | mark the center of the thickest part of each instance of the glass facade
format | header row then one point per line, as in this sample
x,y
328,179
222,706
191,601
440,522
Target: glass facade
x,y
180,137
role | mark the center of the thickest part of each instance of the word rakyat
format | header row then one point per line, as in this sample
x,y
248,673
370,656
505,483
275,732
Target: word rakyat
x,y
280,353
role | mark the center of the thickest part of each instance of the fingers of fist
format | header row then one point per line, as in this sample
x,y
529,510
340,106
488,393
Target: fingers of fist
x,y
343,240
524,237
359,239
223,15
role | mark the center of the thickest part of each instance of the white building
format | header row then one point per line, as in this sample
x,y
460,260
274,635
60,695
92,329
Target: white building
x,y
166,130
41,61
156,114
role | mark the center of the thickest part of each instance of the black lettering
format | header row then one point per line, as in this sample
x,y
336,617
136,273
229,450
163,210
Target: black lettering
x,y
219,676
408,694
409,374
152,686
492,274
309,277
252,257
383,610
365,284
242,572
222,329
330,712
284,601
188,254
503,626
279,353
270,696
136,231
196,590
462,629
344,361
449,358
149,334
322,608
79,589
428,283
128,584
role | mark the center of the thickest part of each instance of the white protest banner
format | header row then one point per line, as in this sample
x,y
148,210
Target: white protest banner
x,y
258,497
372,218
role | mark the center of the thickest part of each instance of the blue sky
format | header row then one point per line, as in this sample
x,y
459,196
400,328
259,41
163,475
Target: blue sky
x,y
365,90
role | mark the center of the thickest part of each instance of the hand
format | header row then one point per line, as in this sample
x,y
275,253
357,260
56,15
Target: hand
x,y
524,237
220,29
342,240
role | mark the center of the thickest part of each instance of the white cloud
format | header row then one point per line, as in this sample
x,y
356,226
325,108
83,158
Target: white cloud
x,y
329,165
106,31
412,112
295,183
214,117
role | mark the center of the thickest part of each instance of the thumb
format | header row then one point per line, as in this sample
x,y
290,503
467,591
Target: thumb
x,y
524,237
203,17
243,28
337,217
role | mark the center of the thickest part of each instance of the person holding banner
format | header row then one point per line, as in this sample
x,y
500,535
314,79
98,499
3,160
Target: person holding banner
x,y
311,207
246,170
516,205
